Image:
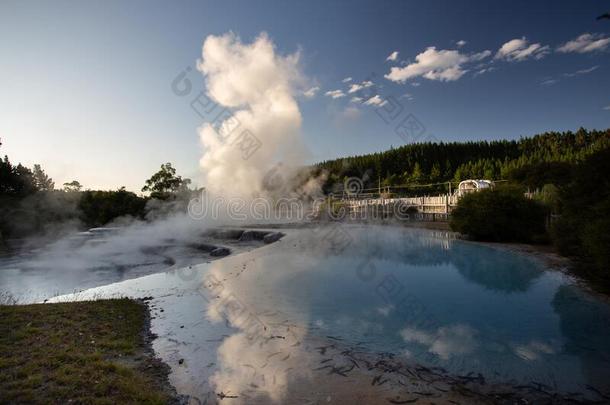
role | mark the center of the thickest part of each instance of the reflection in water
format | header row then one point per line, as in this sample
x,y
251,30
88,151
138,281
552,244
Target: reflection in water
x,y
585,326
461,306
255,361
287,320
446,341
502,271
533,350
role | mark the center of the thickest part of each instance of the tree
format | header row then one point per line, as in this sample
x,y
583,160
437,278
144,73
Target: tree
x,y
536,175
23,181
448,170
479,159
6,176
581,230
97,208
417,176
41,180
502,214
165,182
435,172
72,187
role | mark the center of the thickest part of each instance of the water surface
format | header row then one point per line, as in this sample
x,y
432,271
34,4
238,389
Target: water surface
x,y
418,295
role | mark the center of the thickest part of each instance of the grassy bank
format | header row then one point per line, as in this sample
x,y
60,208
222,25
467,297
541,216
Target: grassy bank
x,y
95,352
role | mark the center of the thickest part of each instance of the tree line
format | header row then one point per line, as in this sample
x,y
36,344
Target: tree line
x,y
31,205
425,163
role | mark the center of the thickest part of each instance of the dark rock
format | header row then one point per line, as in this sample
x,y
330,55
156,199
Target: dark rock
x,y
223,233
247,236
220,251
251,235
272,237
204,247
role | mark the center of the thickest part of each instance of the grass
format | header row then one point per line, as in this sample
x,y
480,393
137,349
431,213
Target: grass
x,y
93,352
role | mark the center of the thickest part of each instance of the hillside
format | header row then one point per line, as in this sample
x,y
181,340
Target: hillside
x,y
532,161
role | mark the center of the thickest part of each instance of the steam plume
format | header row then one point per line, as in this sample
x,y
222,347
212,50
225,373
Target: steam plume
x,y
258,86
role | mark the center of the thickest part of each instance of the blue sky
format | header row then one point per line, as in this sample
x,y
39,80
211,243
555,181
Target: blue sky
x,y
86,86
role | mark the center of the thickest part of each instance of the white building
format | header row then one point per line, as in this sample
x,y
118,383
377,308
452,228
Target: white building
x,y
470,185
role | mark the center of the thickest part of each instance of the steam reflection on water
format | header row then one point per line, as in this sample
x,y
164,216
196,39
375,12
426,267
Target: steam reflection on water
x,y
414,295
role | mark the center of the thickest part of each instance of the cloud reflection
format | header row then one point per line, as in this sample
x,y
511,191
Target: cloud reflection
x,y
446,341
533,350
254,363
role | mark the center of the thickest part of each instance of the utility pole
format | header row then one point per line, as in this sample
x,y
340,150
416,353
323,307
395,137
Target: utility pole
x,y
447,197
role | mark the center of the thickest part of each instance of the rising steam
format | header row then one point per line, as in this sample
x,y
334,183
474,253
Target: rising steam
x,y
258,86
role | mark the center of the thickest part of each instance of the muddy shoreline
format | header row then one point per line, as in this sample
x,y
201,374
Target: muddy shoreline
x,y
156,368
348,373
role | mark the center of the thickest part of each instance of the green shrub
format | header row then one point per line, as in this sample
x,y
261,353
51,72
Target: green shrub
x,y
596,240
502,214
582,227
98,208
536,175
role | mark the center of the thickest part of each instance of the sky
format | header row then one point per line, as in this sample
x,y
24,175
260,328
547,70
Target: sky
x,y
88,89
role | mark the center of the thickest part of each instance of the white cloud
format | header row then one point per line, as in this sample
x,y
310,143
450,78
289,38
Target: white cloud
x,y
582,71
392,57
415,84
589,70
347,79
484,70
350,113
335,93
311,92
359,86
375,100
607,108
461,43
433,64
356,99
552,80
548,82
354,88
585,43
480,55
519,49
